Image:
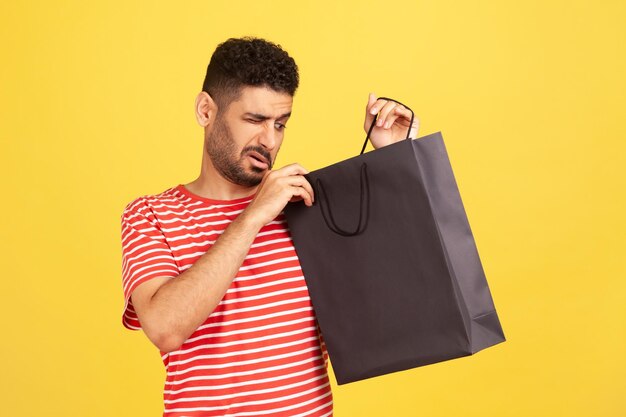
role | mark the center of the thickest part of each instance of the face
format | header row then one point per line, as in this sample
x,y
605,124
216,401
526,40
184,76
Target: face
x,y
244,140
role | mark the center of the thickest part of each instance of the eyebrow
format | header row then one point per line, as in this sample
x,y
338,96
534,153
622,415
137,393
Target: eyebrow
x,y
259,116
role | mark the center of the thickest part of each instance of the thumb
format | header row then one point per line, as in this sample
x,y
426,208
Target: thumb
x,y
369,118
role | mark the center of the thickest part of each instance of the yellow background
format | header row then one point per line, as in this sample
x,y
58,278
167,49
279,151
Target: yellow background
x,y
97,109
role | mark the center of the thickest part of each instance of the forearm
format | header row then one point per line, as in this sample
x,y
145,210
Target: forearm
x,y
182,304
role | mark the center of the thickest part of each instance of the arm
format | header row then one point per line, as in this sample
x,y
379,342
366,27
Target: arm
x,y
170,310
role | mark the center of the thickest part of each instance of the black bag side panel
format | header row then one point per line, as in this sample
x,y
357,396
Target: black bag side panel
x,y
458,240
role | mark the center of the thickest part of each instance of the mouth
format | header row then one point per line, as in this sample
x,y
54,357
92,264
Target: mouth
x,y
258,160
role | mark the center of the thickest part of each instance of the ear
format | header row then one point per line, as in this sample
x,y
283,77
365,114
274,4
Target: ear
x,y
206,109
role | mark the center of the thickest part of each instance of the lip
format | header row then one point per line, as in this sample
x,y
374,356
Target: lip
x,y
258,160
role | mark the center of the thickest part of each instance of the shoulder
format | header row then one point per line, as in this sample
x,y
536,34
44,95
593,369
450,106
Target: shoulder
x,y
147,205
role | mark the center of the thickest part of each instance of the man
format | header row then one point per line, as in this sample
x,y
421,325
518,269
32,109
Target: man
x,y
209,270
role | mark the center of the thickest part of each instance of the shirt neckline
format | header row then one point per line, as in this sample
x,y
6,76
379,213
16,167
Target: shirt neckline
x,y
183,190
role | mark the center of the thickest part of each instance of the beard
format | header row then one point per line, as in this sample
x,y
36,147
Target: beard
x,y
222,150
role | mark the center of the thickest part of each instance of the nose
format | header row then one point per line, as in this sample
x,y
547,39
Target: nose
x,y
267,137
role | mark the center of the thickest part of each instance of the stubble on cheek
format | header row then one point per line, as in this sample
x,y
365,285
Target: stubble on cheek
x,y
221,149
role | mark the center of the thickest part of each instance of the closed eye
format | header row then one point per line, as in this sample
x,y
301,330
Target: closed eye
x,y
256,120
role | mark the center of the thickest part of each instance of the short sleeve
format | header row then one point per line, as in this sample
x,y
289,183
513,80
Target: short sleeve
x,y
145,254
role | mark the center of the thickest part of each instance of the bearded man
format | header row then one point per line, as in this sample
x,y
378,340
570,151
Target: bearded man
x,y
209,270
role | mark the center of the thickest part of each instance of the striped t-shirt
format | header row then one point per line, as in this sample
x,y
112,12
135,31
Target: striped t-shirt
x,y
260,351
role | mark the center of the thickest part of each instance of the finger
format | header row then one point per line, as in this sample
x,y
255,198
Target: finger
x,y
391,119
300,181
414,128
371,100
399,112
380,103
295,199
384,112
373,112
292,169
303,194
369,118
403,112
406,116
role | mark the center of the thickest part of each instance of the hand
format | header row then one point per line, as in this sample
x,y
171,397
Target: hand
x,y
392,123
276,190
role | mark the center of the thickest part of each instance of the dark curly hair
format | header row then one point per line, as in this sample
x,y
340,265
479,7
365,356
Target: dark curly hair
x,y
248,61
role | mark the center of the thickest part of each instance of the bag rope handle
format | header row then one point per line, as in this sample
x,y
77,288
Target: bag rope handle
x,y
369,132
364,206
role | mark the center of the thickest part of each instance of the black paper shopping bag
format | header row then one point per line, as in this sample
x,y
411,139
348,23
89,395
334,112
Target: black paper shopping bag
x,y
390,262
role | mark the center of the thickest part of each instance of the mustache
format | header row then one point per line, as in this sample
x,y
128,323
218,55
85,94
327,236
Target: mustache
x,y
261,151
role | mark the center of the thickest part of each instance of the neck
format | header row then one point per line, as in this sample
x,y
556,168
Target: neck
x,y
211,184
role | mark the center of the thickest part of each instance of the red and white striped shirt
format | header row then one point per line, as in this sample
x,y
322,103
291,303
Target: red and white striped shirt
x,y
260,352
